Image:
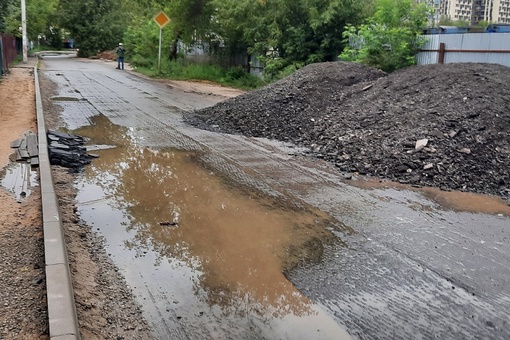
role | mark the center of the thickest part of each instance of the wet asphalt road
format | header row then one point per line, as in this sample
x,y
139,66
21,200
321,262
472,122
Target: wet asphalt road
x,y
403,266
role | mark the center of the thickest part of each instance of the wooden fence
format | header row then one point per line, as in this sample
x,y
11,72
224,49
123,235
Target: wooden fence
x,y
8,52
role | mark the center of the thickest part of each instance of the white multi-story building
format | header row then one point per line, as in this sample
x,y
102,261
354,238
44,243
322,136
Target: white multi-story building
x,y
474,11
497,11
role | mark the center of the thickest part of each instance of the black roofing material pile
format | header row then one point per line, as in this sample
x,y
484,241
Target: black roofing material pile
x,y
446,126
67,150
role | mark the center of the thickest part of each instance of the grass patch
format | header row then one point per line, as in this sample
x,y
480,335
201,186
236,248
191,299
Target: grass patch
x,y
18,59
234,77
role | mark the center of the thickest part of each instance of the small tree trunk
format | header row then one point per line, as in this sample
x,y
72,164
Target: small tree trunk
x,y
173,50
173,47
248,64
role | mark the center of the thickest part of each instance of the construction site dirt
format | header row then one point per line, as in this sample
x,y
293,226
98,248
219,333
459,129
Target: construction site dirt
x,y
290,228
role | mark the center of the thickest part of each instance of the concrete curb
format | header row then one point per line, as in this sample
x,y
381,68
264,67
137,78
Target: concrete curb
x,y
62,317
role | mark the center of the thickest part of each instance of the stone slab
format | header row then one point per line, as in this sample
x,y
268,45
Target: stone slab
x,y
65,337
32,145
55,251
61,307
50,209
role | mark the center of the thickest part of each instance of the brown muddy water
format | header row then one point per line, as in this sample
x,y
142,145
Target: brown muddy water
x,y
447,200
205,258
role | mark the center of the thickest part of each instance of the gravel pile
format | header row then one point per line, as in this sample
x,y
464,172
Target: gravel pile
x,y
446,126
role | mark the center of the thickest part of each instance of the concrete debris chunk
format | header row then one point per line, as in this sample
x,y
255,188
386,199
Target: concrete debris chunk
x,y
16,144
420,144
467,151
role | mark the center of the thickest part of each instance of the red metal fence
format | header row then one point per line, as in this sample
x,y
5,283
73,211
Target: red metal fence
x,y
8,52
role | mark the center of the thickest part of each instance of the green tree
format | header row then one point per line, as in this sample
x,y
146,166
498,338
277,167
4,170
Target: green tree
x,y
286,34
390,38
4,7
311,29
12,18
40,18
142,40
237,26
190,22
96,25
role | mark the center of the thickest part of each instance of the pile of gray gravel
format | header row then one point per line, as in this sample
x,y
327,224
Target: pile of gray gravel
x,y
446,126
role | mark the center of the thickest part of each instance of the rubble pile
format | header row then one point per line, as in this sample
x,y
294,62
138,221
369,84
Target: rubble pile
x,y
446,126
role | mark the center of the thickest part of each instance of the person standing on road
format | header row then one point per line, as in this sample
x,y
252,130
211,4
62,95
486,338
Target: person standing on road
x,y
120,56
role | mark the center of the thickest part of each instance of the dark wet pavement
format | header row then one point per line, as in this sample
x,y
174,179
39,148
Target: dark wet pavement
x,y
222,236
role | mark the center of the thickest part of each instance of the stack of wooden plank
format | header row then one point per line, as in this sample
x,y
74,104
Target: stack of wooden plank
x,y
26,149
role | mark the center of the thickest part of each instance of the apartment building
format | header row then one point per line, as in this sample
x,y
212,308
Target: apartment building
x,y
497,11
474,11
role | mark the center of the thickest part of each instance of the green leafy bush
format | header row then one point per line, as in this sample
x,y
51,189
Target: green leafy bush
x,y
391,38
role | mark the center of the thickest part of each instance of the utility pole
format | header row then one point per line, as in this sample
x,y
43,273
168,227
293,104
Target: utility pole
x,y
24,30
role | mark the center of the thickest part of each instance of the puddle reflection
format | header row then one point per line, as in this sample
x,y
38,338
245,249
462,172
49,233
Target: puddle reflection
x,y
18,179
177,212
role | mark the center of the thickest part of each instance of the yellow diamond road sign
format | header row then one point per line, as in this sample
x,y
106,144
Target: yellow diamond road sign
x,y
161,19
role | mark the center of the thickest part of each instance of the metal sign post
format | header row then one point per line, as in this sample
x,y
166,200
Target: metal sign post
x,y
162,20
159,51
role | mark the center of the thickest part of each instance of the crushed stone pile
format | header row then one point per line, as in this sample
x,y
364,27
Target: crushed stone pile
x,y
446,126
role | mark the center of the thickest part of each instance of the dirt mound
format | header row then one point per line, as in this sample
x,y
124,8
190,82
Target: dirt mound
x,y
107,55
365,121
283,109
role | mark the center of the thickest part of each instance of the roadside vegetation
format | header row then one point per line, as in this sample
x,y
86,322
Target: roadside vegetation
x,y
389,39
231,35
235,77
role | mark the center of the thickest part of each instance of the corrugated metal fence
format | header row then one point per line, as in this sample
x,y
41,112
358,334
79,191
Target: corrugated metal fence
x,y
8,52
469,47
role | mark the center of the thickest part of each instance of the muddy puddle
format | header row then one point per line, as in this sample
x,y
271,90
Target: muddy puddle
x,y
19,179
205,258
447,200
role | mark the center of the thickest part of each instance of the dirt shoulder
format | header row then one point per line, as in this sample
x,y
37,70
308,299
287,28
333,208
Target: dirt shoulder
x,y
23,308
202,86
